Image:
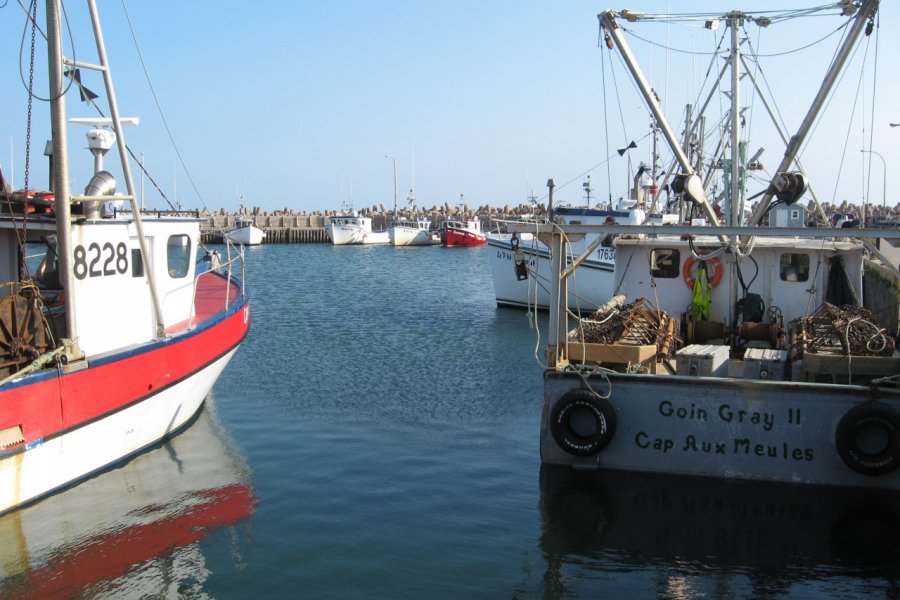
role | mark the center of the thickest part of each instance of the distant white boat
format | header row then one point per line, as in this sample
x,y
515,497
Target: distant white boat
x,y
245,232
351,229
413,232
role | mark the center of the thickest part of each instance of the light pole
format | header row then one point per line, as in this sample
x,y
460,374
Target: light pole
x,y
394,160
884,177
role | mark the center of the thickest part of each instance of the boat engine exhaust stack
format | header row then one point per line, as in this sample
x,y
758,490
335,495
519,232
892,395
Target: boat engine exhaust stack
x,y
101,184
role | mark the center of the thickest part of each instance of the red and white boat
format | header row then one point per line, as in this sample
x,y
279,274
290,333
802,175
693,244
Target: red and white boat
x,y
116,343
462,232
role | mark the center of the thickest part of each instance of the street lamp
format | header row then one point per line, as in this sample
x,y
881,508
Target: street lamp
x,y
884,174
394,160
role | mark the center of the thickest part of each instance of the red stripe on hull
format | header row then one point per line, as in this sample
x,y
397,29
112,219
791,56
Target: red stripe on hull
x,y
111,555
459,237
67,400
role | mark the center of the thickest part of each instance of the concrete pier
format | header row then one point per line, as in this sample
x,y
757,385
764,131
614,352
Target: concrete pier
x,y
280,229
287,227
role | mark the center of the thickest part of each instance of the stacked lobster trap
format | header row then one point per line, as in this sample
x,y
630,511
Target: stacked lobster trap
x,y
624,334
843,344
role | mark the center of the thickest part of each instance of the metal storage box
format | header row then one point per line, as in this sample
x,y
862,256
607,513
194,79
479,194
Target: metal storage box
x,y
702,360
765,363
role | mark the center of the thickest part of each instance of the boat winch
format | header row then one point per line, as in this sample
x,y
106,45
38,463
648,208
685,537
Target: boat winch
x,y
23,330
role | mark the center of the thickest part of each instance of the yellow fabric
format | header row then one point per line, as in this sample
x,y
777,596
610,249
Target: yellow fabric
x,y
700,301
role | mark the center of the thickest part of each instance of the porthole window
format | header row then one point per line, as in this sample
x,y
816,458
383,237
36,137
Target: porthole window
x,y
794,267
179,255
664,263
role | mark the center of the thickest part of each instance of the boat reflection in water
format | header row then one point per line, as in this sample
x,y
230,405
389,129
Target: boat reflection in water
x,y
702,537
132,531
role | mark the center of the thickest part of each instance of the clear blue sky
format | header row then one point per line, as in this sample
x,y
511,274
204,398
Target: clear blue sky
x,y
296,104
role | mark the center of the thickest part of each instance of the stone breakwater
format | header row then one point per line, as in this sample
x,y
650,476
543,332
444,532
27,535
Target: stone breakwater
x,y
291,227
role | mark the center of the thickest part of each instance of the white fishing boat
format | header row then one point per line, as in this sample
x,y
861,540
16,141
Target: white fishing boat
x,y
245,233
133,531
350,228
413,232
520,262
114,340
757,351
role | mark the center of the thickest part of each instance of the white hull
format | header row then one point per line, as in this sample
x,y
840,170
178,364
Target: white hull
x,y
63,460
590,287
412,236
346,235
87,539
246,236
720,427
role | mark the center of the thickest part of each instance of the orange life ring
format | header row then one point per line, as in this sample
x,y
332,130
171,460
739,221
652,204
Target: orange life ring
x,y
689,264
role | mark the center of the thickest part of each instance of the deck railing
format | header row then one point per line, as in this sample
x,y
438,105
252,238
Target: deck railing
x,y
235,254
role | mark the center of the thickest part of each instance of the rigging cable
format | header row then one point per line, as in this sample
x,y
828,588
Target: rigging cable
x,y
158,106
33,20
859,87
162,116
872,112
606,122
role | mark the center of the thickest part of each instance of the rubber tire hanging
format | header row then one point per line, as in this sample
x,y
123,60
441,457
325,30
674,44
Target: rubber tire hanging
x,y
861,422
582,423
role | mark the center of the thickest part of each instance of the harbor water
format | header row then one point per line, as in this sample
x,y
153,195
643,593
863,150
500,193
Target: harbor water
x,y
376,436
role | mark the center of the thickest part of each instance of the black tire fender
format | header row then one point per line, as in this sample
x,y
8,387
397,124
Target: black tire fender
x,y
582,423
867,438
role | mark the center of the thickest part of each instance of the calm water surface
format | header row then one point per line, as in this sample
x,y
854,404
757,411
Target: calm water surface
x,y
376,436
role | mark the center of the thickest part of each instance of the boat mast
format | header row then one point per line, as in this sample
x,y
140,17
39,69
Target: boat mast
x,y
61,174
865,13
611,27
394,161
654,166
735,20
126,166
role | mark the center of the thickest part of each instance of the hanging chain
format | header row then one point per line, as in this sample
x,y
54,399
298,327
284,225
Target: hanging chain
x,y
30,92
23,265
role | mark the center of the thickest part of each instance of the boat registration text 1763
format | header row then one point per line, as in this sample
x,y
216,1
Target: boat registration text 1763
x,y
606,254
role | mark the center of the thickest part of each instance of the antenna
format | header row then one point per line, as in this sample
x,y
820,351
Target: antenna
x,y
100,137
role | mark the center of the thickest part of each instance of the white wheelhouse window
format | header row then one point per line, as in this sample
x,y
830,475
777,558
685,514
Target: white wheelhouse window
x,y
178,252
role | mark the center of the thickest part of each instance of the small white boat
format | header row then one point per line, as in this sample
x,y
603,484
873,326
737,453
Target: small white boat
x,y
413,232
245,233
349,228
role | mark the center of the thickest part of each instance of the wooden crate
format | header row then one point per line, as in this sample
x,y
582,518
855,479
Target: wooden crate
x,y
828,363
610,353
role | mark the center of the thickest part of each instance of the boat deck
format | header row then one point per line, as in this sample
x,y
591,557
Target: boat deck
x,y
209,299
